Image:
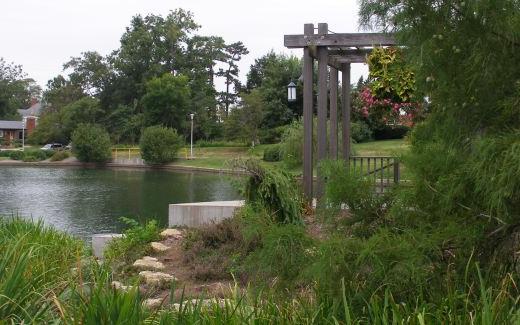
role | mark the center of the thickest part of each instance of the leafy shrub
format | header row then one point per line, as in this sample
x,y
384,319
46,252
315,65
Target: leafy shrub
x,y
401,262
159,145
293,139
292,145
29,158
16,155
60,155
91,143
273,135
360,131
133,244
344,187
284,252
273,189
16,143
38,154
273,153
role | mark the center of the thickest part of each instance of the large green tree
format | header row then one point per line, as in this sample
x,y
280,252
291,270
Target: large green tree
x,y
271,74
16,90
244,121
166,101
58,125
60,92
151,46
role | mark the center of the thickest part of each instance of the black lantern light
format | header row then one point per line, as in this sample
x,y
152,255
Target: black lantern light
x,y
291,92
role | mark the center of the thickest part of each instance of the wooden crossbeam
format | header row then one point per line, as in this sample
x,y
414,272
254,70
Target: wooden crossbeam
x,y
349,56
337,56
340,40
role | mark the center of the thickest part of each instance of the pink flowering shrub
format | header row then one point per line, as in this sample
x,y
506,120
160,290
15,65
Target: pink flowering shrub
x,y
380,112
387,99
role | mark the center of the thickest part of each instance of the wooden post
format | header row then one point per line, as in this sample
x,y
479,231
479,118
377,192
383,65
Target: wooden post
x,y
333,84
322,106
308,67
397,171
345,109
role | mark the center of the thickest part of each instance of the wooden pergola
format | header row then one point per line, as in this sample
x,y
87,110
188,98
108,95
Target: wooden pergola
x,y
337,52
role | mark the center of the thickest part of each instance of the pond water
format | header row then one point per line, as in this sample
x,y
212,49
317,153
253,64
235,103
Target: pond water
x,y
87,201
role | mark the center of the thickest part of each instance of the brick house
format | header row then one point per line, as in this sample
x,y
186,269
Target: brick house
x,y
13,130
10,131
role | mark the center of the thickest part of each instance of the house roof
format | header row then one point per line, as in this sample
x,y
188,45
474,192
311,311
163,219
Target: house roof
x,y
34,110
11,125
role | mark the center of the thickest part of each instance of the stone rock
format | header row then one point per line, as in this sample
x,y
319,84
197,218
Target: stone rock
x,y
210,302
159,247
153,303
205,303
156,279
148,263
171,232
119,286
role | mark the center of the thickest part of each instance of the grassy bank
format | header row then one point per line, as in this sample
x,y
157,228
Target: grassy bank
x,y
217,157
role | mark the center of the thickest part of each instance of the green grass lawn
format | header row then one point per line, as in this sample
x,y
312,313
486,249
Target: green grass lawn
x,y
381,148
211,157
217,157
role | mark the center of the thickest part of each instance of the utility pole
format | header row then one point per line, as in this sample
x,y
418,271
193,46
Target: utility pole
x,y
191,141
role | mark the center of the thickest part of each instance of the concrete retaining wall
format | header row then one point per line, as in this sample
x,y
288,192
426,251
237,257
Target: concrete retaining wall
x,y
100,241
201,213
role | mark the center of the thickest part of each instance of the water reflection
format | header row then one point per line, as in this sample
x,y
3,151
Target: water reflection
x,y
87,201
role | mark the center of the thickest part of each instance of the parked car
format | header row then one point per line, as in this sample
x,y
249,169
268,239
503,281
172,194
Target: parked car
x,y
53,146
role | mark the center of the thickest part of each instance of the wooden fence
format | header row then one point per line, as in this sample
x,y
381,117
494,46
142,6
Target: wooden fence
x,y
384,170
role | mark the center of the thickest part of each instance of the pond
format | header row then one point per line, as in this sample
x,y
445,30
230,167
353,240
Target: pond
x,y
87,201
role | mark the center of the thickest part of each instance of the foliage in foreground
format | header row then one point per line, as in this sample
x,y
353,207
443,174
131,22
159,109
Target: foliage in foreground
x,y
134,243
91,143
45,277
159,145
35,263
465,155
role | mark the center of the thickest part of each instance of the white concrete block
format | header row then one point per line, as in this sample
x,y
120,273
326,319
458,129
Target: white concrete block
x,y
201,213
100,241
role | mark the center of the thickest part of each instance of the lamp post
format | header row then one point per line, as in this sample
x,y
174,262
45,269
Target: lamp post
x,y
291,92
191,138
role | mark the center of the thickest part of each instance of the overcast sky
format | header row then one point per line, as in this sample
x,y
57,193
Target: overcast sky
x,y
43,34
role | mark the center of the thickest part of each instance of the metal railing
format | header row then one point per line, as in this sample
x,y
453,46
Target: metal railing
x,y
130,156
384,170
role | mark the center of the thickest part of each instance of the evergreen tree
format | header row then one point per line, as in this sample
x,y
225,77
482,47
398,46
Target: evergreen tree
x,y
233,53
466,155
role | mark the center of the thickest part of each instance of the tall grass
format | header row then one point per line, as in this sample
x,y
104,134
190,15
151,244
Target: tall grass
x,y
38,285
35,263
